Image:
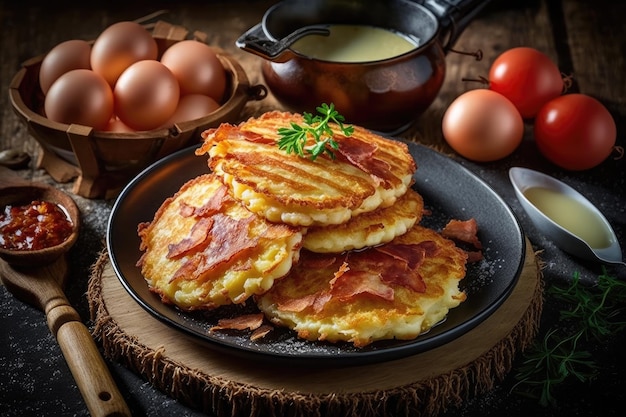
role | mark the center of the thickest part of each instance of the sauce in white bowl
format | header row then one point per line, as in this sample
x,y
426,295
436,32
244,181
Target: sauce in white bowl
x,y
566,216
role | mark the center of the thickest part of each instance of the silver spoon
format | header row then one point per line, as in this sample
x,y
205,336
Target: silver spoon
x,y
566,216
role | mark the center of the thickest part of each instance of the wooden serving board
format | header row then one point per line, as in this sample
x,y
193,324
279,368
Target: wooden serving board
x,y
424,384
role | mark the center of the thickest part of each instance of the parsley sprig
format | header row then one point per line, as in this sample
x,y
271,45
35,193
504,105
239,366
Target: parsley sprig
x,y
293,139
594,313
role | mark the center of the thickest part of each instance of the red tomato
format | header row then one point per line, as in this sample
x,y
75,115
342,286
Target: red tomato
x,y
482,125
575,132
527,77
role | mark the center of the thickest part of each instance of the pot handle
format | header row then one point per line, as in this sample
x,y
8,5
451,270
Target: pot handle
x,y
255,41
454,16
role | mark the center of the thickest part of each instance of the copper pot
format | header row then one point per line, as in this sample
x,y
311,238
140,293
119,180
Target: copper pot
x,y
385,95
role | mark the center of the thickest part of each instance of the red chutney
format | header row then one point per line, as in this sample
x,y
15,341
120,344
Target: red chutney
x,y
38,225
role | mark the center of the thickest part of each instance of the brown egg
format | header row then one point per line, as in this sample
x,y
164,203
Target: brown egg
x,y
192,107
81,97
66,56
197,69
118,47
116,125
146,95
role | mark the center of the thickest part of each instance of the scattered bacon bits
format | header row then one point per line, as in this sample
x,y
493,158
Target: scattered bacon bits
x,y
465,231
261,332
474,256
243,322
253,322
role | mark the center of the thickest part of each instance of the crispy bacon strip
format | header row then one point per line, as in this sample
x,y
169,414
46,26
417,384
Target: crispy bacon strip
x,y
318,300
373,272
200,231
399,264
342,270
187,270
297,305
229,239
413,254
360,154
321,300
214,204
228,131
243,322
198,236
142,229
257,138
261,332
474,256
464,231
216,135
355,149
412,279
351,283
186,210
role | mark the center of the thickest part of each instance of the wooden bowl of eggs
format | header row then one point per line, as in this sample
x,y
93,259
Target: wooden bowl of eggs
x,y
104,110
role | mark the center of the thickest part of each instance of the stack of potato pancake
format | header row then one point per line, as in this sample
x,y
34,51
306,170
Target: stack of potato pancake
x,y
330,247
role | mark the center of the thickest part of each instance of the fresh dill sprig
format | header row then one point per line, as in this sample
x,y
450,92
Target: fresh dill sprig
x,y
293,139
551,362
559,356
596,307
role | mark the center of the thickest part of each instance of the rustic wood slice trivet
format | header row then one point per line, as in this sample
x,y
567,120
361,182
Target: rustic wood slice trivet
x,y
425,384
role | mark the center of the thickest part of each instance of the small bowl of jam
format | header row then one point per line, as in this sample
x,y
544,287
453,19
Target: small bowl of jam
x,y
38,223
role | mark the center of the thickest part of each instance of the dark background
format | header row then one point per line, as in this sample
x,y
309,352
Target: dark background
x,y
586,39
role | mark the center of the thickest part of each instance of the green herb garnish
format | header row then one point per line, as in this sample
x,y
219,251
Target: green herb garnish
x,y
293,139
560,355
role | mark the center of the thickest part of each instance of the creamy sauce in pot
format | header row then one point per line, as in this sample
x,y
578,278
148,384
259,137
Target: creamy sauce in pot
x,y
354,43
571,215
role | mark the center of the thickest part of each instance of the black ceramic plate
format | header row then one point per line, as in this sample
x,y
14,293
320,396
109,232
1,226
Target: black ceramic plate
x,y
449,190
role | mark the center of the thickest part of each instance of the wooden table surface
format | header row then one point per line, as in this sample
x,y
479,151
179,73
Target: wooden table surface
x,y
586,39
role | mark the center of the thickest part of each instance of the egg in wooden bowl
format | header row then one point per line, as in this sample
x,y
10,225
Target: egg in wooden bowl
x,y
105,128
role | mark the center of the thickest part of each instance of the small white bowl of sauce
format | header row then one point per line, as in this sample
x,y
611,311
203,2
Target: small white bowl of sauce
x,y
566,216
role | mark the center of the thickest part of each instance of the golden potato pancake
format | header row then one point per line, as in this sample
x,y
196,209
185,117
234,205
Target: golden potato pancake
x,y
397,290
368,172
203,249
367,229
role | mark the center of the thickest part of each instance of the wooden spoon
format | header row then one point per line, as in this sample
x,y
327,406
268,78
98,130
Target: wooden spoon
x,y
40,283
